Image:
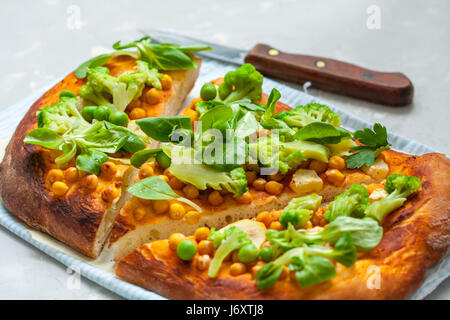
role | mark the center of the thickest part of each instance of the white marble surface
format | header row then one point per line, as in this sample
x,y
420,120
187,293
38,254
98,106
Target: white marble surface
x,y
44,39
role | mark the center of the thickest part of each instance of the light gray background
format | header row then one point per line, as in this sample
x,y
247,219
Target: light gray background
x,y
42,40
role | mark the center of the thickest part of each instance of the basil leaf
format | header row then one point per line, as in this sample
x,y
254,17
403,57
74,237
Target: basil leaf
x,y
45,138
91,161
133,142
268,275
316,269
162,128
154,188
140,157
323,133
268,119
217,118
98,61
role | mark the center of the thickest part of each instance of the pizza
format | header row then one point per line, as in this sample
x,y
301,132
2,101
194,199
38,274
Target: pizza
x,y
238,197
46,187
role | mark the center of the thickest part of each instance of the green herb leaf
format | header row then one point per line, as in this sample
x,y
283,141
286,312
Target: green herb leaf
x,y
162,128
323,133
316,269
375,141
91,161
140,157
98,61
45,138
217,118
154,188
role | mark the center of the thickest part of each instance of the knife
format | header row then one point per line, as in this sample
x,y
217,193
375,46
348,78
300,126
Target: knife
x,y
388,88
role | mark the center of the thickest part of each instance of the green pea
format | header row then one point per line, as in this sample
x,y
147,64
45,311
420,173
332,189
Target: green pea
x,y
163,160
102,113
119,118
208,91
88,112
248,253
186,250
266,254
67,93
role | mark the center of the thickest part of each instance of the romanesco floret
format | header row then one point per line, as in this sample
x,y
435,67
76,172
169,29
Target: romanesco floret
x,y
298,211
62,116
313,112
244,82
231,239
351,203
399,187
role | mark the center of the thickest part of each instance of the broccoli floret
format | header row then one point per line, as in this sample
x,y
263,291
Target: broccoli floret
x,y
399,188
101,86
351,203
202,176
285,156
298,211
244,82
233,238
62,116
313,112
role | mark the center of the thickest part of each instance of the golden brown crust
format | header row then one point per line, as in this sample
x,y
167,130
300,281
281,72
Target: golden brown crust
x,y
416,236
76,218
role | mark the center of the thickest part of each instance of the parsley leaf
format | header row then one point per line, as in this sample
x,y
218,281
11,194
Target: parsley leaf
x,y
374,142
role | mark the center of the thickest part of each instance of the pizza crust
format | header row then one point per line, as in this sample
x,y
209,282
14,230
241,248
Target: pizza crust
x,y
79,220
415,236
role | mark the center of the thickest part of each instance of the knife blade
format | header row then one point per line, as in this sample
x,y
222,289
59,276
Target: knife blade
x,y
388,88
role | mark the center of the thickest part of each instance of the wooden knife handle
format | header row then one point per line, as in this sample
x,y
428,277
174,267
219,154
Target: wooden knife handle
x,y
393,89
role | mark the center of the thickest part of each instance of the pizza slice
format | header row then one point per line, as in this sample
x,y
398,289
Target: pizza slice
x,y
67,164
370,242
277,154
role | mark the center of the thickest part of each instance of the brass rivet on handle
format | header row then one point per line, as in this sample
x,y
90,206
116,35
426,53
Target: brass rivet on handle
x,y
320,64
273,52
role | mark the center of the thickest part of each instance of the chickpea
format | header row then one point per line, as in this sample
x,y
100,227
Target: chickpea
x,y
215,198
146,171
166,82
308,225
202,262
276,225
137,113
71,174
251,176
139,214
55,175
245,198
164,178
160,206
108,169
176,211
276,215
175,183
318,166
336,162
168,173
237,269
153,96
205,247
174,240
192,217
255,269
201,233
135,104
284,273
273,187
59,188
190,191
145,202
110,193
264,217
335,176
259,184
90,182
